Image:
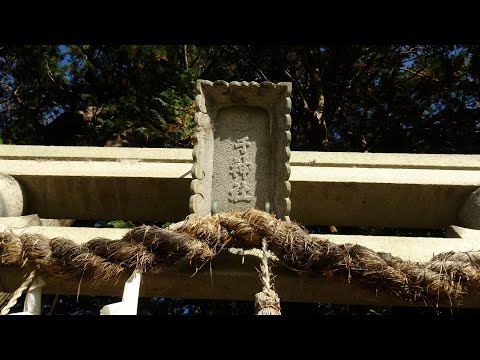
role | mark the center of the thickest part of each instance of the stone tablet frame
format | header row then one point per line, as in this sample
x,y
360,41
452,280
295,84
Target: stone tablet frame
x,y
237,98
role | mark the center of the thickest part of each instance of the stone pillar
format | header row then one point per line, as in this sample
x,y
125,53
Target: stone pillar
x,y
469,213
11,197
242,150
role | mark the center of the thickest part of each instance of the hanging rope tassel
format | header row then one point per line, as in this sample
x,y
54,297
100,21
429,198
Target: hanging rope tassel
x,y
267,301
16,295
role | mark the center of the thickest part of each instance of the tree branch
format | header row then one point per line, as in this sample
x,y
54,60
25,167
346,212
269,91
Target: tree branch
x,y
260,71
305,104
313,73
185,54
15,92
195,60
319,110
50,75
57,104
420,74
208,66
256,68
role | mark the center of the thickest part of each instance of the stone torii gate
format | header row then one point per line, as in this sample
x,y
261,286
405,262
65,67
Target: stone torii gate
x,y
241,160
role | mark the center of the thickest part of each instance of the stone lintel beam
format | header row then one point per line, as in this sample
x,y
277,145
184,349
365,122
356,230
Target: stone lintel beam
x,y
349,189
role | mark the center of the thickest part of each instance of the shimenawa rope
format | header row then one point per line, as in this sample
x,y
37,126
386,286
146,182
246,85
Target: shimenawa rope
x,y
195,241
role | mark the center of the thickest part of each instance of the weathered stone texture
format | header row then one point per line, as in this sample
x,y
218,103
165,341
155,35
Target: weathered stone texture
x,y
242,151
11,197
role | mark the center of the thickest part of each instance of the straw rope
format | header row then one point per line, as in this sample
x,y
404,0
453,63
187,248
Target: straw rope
x,y
195,241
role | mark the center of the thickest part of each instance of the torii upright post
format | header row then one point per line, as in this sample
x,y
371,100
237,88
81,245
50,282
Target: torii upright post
x,y
242,150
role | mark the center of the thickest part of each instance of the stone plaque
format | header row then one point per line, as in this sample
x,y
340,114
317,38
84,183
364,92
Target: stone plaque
x,y
242,148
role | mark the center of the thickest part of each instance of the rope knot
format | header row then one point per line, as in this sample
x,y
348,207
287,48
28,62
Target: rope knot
x,y
267,302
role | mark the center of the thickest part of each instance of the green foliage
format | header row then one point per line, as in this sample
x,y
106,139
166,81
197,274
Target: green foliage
x,y
384,98
180,108
32,83
121,224
91,94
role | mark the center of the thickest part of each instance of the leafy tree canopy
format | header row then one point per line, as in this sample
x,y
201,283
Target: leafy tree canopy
x,y
376,98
